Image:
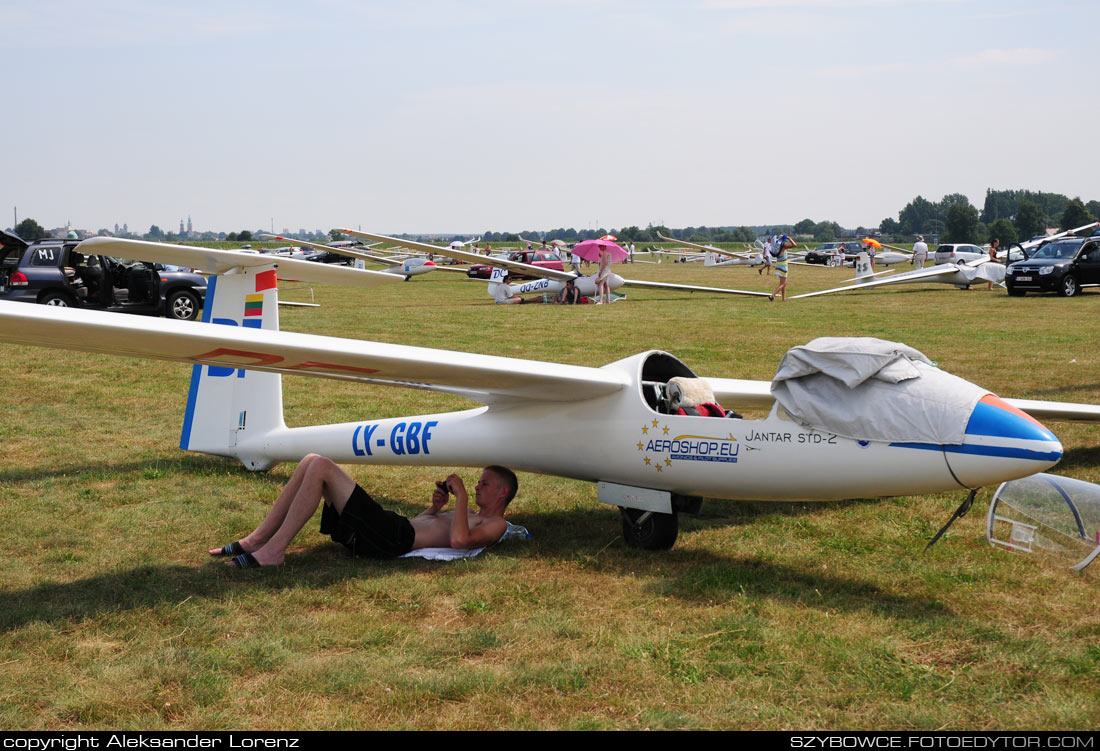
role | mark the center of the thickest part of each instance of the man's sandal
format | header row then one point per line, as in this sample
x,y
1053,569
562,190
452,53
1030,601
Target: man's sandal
x,y
233,548
246,560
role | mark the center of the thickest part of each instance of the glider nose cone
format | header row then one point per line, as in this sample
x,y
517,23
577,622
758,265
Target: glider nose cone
x,y
1002,443
614,281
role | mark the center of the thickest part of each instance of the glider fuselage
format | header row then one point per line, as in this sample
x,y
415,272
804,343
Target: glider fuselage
x,y
624,438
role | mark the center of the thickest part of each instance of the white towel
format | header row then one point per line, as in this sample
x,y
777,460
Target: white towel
x,y
451,554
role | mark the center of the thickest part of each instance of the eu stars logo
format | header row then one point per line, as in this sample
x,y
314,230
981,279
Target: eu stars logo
x,y
659,449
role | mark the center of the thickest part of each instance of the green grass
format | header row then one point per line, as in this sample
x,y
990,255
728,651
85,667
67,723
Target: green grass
x,y
763,615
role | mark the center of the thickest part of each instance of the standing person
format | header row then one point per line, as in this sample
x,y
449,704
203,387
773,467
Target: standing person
x,y
603,290
766,255
993,256
352,518
920,252
631,249
781,267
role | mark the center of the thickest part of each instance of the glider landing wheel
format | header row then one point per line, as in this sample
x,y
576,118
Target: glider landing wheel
x,y
649,530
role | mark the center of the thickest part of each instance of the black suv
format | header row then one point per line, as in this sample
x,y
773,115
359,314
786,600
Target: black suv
x,y
1063,266
825,254
55,272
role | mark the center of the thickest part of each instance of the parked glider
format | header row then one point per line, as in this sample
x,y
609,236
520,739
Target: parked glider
x,y
961,275
549,281
887,257
402,267
736,257
649,459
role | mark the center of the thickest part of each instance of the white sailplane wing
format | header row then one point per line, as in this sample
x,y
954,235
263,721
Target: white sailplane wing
x,y
343,251
869,276
395,263
907,277
484,378
707,248
691,288
465,255
1065,411
210,261
738,393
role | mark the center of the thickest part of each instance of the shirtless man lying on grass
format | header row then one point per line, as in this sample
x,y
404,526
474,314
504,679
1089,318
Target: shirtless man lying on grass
x,y
352,518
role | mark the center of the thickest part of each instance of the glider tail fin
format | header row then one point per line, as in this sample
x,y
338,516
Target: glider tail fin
x,y
710,259
228,408
863,266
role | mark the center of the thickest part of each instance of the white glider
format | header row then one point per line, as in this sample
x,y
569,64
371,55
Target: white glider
x,y
550,281
402,267
958,274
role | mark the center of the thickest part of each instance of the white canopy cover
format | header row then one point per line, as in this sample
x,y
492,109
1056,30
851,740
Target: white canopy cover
x,y
870,389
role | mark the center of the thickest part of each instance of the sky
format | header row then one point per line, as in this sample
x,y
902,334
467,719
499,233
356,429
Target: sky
x,y
422,116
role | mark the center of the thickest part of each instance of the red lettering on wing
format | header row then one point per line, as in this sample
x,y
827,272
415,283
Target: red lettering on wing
x,y
310,364
251,358
245,358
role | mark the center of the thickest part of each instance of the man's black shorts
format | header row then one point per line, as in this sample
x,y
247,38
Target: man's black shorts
x,y
367,529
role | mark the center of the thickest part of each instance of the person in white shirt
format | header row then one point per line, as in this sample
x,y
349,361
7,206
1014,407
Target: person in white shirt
x,y
920,252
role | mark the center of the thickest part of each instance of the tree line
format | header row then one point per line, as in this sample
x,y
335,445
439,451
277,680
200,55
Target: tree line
x,y
1008,215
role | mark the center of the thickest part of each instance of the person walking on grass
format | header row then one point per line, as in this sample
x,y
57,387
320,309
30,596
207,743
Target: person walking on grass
x,y
785,243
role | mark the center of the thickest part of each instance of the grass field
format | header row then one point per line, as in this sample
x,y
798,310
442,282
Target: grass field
x,y
764,616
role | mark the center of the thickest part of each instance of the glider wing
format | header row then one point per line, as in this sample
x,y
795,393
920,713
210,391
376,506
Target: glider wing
x,y
908,276
210,261
484,378
467,256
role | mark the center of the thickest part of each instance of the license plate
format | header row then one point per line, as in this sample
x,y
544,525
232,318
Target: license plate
x,y
1023,278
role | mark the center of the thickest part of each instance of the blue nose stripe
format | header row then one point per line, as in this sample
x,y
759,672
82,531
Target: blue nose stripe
x,y
990,420
1001,432
1006,452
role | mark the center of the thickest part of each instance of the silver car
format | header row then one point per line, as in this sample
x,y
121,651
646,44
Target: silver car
x,y
958,253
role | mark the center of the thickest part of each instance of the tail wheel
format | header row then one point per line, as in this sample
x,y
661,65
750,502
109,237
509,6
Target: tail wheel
x,y
649,530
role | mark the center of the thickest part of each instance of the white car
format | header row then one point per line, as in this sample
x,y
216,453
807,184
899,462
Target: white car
x,y
958,253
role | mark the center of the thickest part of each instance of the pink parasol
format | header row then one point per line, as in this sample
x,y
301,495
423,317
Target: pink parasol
x,y
589,250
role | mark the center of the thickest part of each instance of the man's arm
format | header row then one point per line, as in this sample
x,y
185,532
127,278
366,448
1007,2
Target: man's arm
x,y
439,500
461,535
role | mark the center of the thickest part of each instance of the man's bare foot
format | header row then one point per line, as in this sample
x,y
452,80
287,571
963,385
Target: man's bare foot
x,y
232,549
